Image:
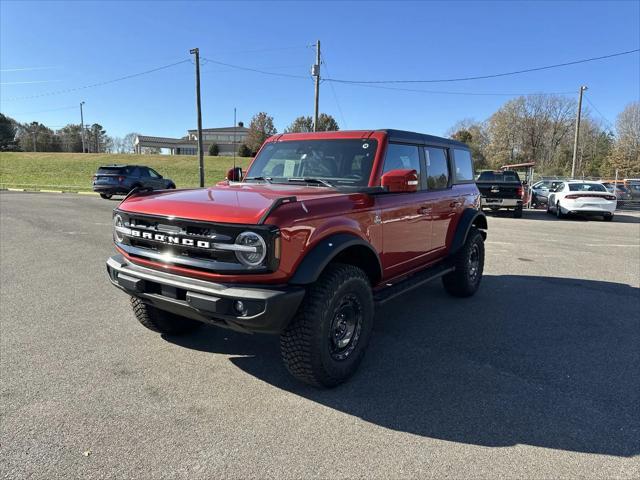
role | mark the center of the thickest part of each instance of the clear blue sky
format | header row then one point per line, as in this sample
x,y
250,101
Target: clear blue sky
x,y
81,43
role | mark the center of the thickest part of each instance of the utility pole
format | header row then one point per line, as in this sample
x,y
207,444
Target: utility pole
x,y
82,126
196,52
575,140
315,71
35,135
234,138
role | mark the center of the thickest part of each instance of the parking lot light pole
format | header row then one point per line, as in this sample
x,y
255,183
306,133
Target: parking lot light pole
x,y
575,139
82,126
196,52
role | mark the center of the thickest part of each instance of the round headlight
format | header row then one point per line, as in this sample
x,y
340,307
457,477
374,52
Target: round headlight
x,y
255,255
117,222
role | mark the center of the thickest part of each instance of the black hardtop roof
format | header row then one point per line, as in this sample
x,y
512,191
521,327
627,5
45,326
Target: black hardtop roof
x,y
405,136
122,165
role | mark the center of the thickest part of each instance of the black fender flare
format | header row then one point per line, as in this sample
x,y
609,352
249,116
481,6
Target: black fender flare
x,y
325,251
469,217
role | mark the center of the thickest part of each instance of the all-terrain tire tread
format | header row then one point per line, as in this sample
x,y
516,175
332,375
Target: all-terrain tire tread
x,y
296,340
457,283
159,321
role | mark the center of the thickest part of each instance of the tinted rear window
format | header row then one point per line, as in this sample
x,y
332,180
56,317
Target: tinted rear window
x,y
114,170
586,187
499,177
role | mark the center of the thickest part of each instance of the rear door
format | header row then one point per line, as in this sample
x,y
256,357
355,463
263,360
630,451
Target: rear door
x,y
405,217
444,200
147,179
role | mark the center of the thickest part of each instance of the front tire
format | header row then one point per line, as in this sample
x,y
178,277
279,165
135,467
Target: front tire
x,y
161,321
469,265
325,342
106,196
559,213
608,217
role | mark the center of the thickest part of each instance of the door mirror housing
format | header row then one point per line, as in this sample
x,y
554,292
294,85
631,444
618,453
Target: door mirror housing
x,y
234,174
400,180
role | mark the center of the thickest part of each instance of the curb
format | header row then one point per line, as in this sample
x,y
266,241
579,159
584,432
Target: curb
x,y
42,190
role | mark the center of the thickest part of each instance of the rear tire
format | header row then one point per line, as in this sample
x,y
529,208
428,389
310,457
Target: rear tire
x,y
106,196
559,213
469,265
325,342
608,218
161,321
517,213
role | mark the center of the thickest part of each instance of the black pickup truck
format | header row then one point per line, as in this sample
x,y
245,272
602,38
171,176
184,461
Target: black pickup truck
x,y
501,189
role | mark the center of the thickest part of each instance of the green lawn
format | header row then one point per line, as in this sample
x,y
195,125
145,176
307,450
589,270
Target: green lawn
x,y
73,171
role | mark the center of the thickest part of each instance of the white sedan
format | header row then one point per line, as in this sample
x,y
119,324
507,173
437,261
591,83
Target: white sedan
x,y
583,198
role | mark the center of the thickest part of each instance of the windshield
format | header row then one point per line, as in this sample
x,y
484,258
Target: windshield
x,y
317,162
506,176
586,187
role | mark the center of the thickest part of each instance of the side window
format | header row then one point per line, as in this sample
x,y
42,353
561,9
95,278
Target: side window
x,y
402,156
463,166
153,173
559,187
143,172
437,168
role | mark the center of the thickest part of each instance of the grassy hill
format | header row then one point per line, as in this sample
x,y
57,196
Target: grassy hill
x,y
73,171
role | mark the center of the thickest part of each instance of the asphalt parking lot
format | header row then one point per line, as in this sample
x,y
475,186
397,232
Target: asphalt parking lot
x,y
537,376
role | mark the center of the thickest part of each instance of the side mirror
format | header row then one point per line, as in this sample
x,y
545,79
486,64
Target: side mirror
x,y
234,174
400,180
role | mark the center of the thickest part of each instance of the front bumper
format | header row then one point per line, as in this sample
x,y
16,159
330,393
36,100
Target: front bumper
x,y
266,310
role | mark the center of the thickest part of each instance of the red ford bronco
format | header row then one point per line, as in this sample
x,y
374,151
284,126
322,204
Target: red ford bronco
x,y
322,227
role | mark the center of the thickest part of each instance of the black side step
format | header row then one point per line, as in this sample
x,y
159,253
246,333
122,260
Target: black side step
x,y
389,293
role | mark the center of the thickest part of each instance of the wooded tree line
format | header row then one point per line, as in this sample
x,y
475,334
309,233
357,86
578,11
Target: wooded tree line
x,y
541,128
36,137
15,136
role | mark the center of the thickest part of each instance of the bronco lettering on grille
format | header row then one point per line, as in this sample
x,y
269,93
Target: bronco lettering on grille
x,y
171,239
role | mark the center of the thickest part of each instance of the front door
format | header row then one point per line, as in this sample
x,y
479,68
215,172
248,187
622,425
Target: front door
x,y
405,217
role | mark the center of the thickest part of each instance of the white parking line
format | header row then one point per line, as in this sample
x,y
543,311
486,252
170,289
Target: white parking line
x,y
610,245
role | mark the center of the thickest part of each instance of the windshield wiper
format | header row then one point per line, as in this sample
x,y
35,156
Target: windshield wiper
x,y
320,181
260,179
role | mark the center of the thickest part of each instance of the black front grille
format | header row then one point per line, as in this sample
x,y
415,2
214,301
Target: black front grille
x,y
179,241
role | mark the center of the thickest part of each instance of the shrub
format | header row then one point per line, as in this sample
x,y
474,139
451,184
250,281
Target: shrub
x,y
244,151
214,150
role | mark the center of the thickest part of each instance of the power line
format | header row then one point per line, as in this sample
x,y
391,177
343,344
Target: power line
x,y
368,85
326,65
256,70
610,124
495,75
99,84
28,82
45,111
445,92
25,69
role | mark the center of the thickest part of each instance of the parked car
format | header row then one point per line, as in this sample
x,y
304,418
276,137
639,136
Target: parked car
x,y
634,190
501,189
323,226
540,191
112,180
581,197
621,192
